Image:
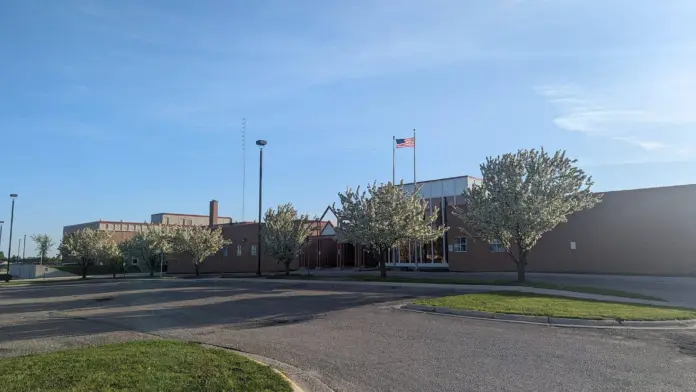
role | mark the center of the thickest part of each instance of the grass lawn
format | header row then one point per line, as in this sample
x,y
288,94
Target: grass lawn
x,y
138,366
543,305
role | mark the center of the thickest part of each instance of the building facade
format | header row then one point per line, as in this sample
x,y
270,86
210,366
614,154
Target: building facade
x,y
321,251
649,231
167,218
440,194
643,231
120,230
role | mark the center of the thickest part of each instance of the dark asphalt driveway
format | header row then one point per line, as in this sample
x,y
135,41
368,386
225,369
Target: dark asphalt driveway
x,y
350,337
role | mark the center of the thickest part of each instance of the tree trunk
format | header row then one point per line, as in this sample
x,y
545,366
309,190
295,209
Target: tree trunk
x,y
84,271
196,266
522,267
382,266
287,267
114,271
152,272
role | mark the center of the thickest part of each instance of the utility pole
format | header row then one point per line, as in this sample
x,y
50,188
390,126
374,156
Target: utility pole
x,y
1,222
24,251
13,196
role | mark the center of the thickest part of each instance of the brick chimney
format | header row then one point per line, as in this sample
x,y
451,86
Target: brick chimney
x,y
213,216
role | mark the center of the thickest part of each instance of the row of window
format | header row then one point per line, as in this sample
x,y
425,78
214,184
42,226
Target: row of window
x,y
239,250
181,221
123,227
460,245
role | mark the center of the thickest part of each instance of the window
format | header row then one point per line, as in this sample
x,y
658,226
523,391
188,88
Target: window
x,y
253,250
239,250
166,220
190,222
460,244
135,260
496,247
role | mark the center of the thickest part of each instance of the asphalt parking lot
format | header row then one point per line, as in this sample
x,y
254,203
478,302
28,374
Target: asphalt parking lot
x,y
350,338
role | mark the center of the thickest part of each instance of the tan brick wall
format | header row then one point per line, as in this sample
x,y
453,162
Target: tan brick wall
x,y
645,231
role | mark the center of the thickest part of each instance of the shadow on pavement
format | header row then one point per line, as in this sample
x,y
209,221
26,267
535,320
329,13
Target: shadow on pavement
x,y
158,309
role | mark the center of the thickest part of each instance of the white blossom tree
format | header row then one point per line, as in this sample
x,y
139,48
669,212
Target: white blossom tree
x,y
111,254
384,217
522,196
85,247
44,243
285,234
198,242
151,244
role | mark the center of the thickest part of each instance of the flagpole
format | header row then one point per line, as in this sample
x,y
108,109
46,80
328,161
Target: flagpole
x,y
414,159
414,190
391,253
394,160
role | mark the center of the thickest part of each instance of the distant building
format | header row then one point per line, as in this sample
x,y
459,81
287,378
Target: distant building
x,y
167,218
122,230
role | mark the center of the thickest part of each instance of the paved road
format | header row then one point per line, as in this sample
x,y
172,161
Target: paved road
x,y
351,338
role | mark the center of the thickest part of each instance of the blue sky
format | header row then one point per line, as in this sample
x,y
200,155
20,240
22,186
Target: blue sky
x,y
120,109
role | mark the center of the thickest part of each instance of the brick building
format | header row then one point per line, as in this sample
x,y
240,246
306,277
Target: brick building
x,y
122,230
649,231
321,251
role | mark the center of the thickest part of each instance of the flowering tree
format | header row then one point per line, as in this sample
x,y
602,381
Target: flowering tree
x,y
111,254
44,243
523,196
384,217
199,242
85,247
151,244
285,233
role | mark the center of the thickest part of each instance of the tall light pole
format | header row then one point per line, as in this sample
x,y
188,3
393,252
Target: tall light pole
x,y
261,144
24,249
13,196
1,222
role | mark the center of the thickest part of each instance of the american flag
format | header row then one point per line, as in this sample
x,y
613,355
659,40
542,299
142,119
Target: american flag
x,y
406,143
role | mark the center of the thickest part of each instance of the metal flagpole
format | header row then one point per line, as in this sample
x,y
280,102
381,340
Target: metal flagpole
x,y
391,256
415,184
393,159
414,159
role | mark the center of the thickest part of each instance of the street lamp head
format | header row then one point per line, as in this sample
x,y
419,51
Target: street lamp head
x,y
13,195
261,143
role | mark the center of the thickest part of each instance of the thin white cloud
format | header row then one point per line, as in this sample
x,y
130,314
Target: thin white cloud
x,y
651,112
647,145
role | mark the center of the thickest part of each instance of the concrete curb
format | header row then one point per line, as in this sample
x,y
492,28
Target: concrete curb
x,y
552,321
299,380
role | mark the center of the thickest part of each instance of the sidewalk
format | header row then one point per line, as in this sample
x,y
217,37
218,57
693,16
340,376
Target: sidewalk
x,y
459,287
77,278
